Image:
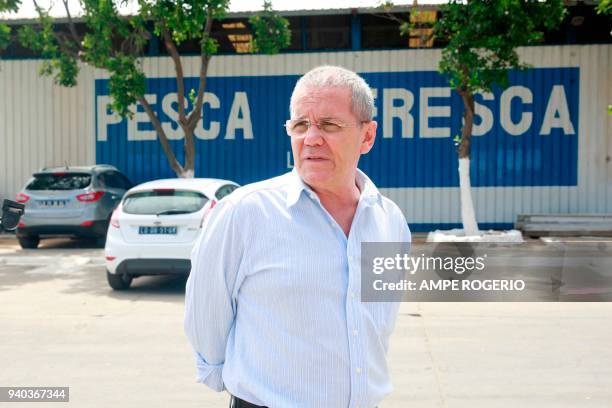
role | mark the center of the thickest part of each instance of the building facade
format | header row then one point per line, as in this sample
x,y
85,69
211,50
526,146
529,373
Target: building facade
x,y
542,145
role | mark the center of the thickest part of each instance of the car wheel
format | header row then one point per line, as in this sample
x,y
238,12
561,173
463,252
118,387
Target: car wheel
x,y
29,242
118,281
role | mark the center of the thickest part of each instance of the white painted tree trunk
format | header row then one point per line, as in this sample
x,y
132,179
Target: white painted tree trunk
x,y
470,227
187,174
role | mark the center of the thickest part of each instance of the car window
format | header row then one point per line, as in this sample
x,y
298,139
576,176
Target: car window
x,y
225,190
164,200
59,181
103,180
114,179
123,181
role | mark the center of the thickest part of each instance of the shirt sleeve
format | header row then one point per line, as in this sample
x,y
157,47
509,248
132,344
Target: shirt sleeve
x,y
210,304
406,234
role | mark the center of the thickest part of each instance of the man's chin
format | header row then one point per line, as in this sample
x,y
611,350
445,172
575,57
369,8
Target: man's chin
x,y
315,178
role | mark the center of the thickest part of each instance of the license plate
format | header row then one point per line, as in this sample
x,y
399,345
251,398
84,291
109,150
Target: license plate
x,y
53,203
157,230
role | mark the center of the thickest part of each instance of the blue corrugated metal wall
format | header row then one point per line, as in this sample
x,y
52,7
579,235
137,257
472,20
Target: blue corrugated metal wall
x,y
405,154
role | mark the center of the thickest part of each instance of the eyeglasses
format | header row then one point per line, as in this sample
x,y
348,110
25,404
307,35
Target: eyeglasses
x,y
299,127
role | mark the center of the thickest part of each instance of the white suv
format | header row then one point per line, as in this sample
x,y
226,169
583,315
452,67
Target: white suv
x,y
155,226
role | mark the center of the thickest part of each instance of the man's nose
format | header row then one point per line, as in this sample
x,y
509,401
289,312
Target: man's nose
x,y
313,136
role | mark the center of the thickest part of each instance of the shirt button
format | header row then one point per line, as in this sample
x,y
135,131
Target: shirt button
x,y
352,295
358,370
355,332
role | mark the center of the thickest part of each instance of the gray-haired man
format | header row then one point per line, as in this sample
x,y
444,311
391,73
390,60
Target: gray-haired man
x,y
272,304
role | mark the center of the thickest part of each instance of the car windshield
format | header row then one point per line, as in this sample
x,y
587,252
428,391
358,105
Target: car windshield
x,y
164,202
60,181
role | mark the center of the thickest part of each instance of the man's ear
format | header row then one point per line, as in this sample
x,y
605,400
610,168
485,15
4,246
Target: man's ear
x,y
369,136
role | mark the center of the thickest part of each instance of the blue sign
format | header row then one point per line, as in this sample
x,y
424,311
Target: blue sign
x,y
524,135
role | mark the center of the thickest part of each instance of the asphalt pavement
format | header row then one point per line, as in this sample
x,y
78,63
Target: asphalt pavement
x,y
61,325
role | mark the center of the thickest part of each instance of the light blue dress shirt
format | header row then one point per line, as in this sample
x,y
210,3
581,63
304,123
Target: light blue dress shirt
x,y
272,305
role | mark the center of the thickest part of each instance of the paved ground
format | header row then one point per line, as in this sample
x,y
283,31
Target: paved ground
x,y
61,325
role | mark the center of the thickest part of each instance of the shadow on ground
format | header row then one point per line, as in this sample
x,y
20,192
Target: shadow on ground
x,y
67,243
52,262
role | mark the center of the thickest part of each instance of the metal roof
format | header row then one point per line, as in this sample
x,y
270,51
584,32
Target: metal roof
x,y
238,8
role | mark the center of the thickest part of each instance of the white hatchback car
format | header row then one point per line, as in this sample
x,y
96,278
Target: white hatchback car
x,y
155,226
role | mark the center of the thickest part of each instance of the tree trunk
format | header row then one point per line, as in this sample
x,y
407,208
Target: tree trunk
x,y
189,149
188,122
468,218
186,171
163,139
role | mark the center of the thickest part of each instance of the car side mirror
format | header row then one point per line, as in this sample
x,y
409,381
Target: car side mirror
x,y
11,213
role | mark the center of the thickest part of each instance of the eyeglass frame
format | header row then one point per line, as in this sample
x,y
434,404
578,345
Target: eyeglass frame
x,y
318,125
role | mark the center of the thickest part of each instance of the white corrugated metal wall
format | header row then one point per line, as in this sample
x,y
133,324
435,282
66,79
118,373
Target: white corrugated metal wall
x,y
44,124
41,123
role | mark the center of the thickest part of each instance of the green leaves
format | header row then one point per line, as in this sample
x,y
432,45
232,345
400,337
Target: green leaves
x,y
5,36
483,36
271,31
60,57
5,30
192,96
126,83
9,5
209,46
184,19
115,43
65,68
605,7
457,140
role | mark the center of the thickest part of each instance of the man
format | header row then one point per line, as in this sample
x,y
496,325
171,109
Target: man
x,y
272,303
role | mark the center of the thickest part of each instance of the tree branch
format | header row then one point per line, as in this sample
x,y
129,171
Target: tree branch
x,y
163,139
62,38
62,41
194,117
37,7
71,25
180,80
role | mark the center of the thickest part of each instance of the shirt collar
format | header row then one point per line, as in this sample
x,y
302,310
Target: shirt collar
x,y
296,186
369,192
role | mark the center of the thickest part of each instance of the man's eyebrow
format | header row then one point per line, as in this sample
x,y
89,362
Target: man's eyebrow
x,y
321,118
